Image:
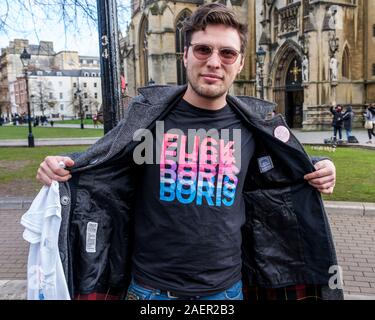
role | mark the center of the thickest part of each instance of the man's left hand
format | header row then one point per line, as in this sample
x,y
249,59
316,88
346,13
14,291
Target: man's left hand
x,y
324,178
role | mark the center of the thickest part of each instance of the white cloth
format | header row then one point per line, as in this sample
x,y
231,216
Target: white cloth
x,y
45,274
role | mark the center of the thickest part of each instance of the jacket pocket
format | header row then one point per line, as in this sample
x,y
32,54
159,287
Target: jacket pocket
x,y
277,248
92,229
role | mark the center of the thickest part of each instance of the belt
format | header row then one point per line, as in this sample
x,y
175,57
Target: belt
x,y
170,294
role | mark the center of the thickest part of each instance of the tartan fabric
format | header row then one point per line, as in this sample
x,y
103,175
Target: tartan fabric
x,y
296,292
96,296
110,294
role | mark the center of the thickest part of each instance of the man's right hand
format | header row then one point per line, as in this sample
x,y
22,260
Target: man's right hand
x,y
51,169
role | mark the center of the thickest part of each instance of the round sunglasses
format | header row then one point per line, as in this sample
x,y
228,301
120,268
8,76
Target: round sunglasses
x,y
227,55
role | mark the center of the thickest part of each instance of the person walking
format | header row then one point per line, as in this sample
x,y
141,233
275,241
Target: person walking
x,y
337,122
348,117
370,121
214,201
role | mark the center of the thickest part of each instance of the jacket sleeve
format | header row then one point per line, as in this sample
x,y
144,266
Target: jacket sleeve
x,y
315,160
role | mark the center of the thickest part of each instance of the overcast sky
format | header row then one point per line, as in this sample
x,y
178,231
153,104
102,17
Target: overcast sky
x,y
50,28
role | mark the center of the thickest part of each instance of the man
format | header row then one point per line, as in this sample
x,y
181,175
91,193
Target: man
x,y
348,117
337,121
215,210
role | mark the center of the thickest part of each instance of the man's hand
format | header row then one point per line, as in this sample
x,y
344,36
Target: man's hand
x,y
324,178
52,168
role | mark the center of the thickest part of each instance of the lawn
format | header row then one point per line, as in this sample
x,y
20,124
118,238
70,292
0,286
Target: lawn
x,y
18,168
355,170
21,132
75,121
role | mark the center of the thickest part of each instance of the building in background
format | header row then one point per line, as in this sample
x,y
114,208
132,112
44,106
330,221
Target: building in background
x,y
318,53
56,81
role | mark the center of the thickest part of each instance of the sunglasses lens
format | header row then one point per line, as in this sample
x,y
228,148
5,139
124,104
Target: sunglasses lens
x,y
202,51
228,55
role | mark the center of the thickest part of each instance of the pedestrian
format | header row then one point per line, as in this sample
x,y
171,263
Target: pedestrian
x,y
348,117
337,122
51,122
230,203
95,121
370,121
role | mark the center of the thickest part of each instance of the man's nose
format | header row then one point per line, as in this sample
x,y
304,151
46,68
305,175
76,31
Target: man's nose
x,y
214,60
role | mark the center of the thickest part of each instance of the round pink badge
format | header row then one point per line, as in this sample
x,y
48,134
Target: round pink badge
x,y
282,133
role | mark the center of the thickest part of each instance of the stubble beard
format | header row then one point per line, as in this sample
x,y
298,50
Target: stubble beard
x,y
207,91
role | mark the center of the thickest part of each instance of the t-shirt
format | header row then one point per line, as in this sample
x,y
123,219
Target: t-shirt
x,y
45,274
189,207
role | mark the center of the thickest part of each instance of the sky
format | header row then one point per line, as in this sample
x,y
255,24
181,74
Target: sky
x,y
81,34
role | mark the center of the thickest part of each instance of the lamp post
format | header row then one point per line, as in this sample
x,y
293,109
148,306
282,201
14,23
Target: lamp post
x,y
25,58
78,92
261,55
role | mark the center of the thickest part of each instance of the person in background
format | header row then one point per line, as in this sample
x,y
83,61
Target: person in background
x,y
337,121
348,117
370,116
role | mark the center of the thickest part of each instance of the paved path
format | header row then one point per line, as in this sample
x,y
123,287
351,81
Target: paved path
x,y
317,137
354,237
48,142
306,137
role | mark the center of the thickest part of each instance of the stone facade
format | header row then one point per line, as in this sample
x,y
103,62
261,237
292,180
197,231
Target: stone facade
x,y
153,45
318,53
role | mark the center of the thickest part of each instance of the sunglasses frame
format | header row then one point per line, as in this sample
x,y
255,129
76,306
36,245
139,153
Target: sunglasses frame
x,y
212,51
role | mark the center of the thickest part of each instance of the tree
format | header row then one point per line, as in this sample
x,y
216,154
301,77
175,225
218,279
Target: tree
x,y
15,15
42,96
87,99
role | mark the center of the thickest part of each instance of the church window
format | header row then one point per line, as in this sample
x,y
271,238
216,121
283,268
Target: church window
x,y
180,43
346,64
143,52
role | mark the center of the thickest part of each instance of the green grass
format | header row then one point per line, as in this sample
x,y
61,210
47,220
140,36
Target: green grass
x,y
18,167
355,173
76,121
21,132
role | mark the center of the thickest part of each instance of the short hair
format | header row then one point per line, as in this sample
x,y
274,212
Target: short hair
x,y
214,14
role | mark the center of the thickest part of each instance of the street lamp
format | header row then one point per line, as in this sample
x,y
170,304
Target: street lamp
x,y
261,55
78,92
151,82
25,58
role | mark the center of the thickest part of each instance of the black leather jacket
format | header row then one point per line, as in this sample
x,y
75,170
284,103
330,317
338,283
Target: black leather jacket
x,y
286,238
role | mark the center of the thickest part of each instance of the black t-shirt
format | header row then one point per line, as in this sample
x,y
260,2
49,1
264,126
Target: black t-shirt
x,y
189,208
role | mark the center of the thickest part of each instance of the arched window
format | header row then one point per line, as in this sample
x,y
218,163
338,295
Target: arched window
x,y
346,63
180,43
143,52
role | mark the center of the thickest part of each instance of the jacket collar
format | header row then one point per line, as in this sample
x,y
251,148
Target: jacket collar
x,y
163,94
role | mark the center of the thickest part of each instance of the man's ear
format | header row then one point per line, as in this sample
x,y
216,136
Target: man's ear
x,y
185,55
241,65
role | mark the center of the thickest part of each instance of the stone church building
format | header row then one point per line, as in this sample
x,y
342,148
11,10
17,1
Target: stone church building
x,y
317,53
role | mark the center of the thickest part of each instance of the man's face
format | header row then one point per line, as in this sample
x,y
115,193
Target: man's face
x,y
211,78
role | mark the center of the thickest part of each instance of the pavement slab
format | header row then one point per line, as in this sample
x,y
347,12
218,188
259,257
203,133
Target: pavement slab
x,y
354,238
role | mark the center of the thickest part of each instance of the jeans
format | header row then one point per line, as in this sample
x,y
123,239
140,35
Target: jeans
x,y
138,292
370,133
348,133
339,129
